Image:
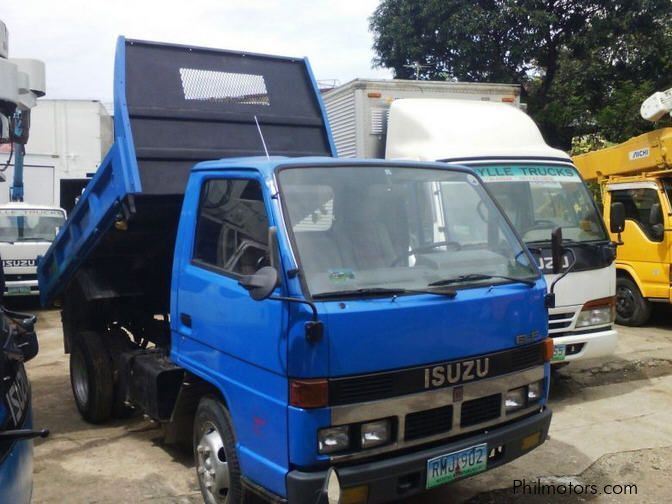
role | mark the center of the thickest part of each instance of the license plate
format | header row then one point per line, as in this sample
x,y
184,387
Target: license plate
x,y
18,291
460,464
559,352
16,397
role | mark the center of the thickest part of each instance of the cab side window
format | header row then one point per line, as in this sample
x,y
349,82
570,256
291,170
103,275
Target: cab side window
x,y
638,203
232,227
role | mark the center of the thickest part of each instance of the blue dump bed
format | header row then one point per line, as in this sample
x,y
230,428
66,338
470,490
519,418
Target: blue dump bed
x,y
173,107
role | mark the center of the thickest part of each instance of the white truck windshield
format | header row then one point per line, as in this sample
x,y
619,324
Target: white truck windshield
x,y
538,198
18,225
381,228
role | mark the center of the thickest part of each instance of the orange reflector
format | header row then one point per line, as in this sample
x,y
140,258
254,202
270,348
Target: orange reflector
x,y
355,495
530,441
374,94
309,393
607,301
547,349
508,99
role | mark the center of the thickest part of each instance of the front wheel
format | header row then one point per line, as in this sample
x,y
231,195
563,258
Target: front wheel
x,y
215,454
632,309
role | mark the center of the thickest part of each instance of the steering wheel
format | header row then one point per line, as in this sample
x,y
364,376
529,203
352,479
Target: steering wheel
x,y
425,248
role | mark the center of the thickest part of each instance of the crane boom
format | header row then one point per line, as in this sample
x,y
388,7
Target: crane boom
x,y
647,153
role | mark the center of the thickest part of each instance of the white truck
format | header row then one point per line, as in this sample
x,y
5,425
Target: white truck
x,y
26,232
358,111
537,186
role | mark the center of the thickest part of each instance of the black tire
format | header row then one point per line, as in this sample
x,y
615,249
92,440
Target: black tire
x,y
214,440
632,309
91,377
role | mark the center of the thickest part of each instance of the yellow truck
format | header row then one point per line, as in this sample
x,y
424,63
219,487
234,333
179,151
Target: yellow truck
x,y
635,177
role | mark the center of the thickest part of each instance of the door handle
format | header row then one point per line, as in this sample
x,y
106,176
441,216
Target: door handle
x,y
185,319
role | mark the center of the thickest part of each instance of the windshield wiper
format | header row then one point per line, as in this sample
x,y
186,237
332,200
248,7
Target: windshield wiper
x,y
383,291
479,276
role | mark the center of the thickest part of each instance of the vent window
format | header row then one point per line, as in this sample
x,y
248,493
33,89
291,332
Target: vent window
x,y
224,87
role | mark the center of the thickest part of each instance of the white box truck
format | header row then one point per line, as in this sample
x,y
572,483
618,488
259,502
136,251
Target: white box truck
x,y
358,110
537,186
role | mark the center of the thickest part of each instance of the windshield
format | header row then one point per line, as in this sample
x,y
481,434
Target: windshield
x,y
30,225
538,198
392,227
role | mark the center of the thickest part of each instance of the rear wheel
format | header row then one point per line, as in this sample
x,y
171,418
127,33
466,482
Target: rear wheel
x,y
215,454
91,377
632,309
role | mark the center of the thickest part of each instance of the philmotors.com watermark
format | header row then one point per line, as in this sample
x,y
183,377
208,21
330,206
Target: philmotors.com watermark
x,y
566,487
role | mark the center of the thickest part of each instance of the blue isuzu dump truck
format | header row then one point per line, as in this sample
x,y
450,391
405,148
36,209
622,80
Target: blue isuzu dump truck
x,y
318,329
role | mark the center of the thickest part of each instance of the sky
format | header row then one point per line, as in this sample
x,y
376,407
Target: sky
x,y
76,38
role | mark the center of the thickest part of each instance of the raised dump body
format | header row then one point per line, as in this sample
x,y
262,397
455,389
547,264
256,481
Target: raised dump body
x,y
173,107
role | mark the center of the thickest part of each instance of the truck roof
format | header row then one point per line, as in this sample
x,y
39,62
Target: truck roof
x,y
267,166
461,130
647,153
401,85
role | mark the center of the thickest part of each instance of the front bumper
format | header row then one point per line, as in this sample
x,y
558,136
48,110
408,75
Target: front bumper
x,y
22,288
405,475
592,345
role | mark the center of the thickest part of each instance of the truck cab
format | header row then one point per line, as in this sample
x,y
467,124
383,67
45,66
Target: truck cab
x,y
26,232
358,242
539,190
637,176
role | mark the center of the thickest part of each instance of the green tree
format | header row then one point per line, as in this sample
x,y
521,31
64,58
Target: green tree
x,y
585,66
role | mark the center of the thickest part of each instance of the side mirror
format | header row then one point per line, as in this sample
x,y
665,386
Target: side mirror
x,y
331,490
655,215
556,249
21,343
617,217
557,253
261,284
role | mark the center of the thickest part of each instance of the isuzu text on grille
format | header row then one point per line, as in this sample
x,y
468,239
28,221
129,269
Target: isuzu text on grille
x,y
456,372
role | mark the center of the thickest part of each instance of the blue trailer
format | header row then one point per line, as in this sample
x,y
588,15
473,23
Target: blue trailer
x,y
316,328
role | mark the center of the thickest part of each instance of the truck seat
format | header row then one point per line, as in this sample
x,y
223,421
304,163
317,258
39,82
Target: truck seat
x,y
322,252
377,232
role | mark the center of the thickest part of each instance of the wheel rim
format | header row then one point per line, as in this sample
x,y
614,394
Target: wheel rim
x,y
625,302
80,378
211,464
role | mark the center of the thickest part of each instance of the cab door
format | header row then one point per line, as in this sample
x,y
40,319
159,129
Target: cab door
x,y
229,239
221,334
645,248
